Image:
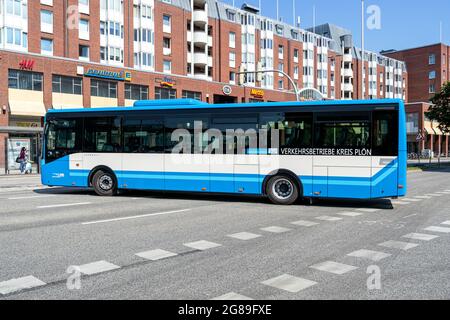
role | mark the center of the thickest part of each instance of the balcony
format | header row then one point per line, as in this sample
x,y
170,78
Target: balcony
x,y
348,58
200,17
201,37
347,87
347,72
200,58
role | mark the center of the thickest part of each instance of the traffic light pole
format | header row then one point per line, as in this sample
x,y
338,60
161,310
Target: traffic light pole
x,y
275,71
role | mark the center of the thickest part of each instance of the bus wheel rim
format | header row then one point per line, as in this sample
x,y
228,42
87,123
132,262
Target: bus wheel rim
x,y
105,182
282,189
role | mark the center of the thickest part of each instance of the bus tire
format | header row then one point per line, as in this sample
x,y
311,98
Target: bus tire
x,y
282,189
104,183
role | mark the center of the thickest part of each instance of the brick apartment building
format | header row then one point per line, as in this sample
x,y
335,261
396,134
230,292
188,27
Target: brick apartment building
x,y
93,53
428,69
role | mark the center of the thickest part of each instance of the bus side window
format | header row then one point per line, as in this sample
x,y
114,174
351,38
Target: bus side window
x,y
63,138
143,136
102,135
385,138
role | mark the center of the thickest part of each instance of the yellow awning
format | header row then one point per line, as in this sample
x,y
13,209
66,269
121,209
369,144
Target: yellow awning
x,y
27,108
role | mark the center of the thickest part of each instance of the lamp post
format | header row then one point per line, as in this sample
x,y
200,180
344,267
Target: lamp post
x,y
362,48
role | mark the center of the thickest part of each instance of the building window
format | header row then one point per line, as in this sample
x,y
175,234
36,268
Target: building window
x,y
24,80
83,51
232,57
103,53
432,75
432,59
232,41
165,93
136,92
232,77
106,89
167,66
46,46
166,20
13,7
63,84
192,95
83,28
14,36
47,17
280,84
432,88
102,27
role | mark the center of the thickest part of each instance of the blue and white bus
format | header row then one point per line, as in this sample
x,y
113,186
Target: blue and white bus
x,y
324,149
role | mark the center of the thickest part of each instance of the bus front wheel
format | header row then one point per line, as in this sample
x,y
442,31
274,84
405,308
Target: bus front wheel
x,y
104,183
282,189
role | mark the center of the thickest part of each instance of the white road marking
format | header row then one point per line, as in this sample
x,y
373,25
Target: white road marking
x,y
443,192
18,284
333,267
446,223
434,194
420,236
97,267
244,236
156,254
275,229
202,245
409,216
398,245
289,283
411,200
304,223
328,218
31,197
423,197
64,205
232,296
438,229
369,254
136,217
349,214
368,210
400,202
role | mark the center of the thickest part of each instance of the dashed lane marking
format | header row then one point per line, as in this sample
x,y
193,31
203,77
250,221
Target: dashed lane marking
x,y
156,254
97,267
368,210
434,194
244,236
438,229
289,283
333,267
275,229
411,200
31,197
398,245
304,223
420,236
64,205
446,223
400,202
328,218
349,214
423,197
202,245
232,296
18,284
369,254
136,217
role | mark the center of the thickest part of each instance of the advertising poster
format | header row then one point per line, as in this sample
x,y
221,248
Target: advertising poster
x,y
14,147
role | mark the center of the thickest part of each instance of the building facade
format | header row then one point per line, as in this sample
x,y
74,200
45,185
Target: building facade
x,y
428,69
93,53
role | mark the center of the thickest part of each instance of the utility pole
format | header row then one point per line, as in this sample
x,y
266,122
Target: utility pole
x,y
362,47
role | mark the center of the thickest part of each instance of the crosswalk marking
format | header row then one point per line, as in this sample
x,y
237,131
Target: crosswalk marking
x,y
398,245
289,283
420,236
202,245
349,214
18,284
333,267
232,296
369,254
275,229
156,254
244,236
304,223
97,267
328,218
438,229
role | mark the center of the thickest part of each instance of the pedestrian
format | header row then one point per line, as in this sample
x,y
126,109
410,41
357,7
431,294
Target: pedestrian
x,y
23,159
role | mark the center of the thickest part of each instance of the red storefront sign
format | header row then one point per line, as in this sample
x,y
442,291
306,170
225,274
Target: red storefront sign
x,y
26,64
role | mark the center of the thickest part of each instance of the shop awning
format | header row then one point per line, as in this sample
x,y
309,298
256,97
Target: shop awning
x,y
27,108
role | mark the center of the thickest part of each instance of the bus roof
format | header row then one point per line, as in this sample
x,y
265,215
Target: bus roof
x,y
179,104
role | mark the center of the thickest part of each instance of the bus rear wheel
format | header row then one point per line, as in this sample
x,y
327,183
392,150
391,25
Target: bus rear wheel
x,y
104,183
282,189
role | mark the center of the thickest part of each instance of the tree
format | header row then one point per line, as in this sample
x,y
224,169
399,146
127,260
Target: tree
x,y
440,110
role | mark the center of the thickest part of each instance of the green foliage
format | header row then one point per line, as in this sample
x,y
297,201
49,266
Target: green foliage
x,y
440,110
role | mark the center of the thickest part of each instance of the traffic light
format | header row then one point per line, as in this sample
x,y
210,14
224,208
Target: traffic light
x,y
242,75
259,74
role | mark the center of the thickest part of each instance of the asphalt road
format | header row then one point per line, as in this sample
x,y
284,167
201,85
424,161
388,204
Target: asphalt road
x,y
142,245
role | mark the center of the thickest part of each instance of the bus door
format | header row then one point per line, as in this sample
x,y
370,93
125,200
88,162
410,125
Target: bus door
x,y
342,160
237,170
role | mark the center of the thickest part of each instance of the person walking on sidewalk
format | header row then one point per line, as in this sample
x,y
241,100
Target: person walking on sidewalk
x,y
23,159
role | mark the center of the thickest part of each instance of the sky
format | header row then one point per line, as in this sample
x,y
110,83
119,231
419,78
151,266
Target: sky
x,y
404,24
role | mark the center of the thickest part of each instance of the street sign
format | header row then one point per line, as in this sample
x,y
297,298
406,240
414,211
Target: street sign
x,y
419,137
